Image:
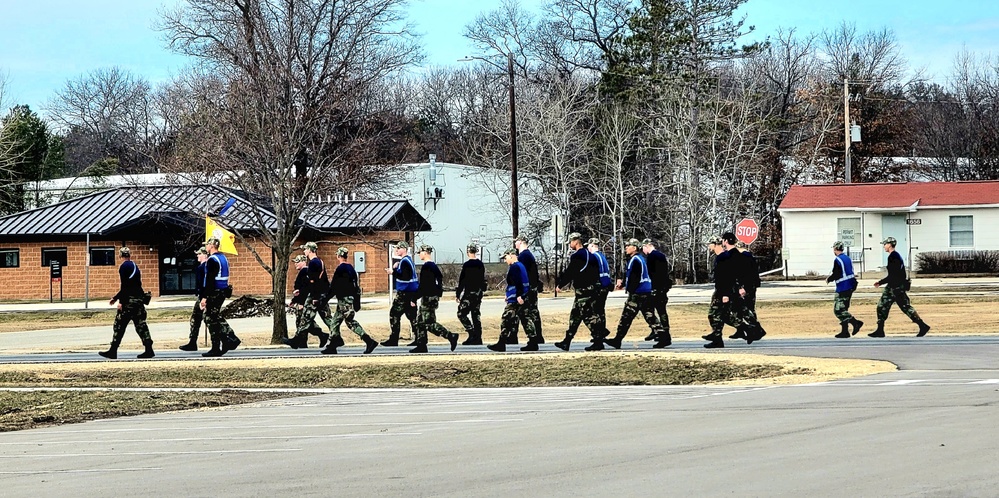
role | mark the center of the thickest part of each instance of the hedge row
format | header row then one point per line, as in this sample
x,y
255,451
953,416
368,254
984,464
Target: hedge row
x,y
958,262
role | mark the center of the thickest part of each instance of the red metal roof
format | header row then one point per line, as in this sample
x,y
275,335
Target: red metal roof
x,y
891,195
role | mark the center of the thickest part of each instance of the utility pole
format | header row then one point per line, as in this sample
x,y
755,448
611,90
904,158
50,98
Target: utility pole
x,y
515,200
846,126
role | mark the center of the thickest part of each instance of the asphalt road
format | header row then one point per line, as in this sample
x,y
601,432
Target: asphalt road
x,y
927,430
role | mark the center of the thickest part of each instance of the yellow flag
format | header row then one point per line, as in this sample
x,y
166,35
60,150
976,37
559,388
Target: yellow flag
x,y
227,240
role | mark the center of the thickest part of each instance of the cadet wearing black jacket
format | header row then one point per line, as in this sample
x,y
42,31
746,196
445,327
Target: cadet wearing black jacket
x,y
130,308
895,284
530,309
197,314
316,301
431,289
468,294
662,282
726,304
347,291
584,274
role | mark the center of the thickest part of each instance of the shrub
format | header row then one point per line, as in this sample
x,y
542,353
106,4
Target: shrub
x,y
958,262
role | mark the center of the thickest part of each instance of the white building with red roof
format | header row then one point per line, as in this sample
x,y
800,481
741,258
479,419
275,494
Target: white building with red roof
x,y
956,217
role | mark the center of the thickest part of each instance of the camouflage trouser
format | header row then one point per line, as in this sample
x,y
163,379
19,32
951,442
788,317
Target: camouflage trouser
x,y
514,314
469,307
307,323
749,300
732,313
197,315
218,327
895,295
659,301
426,320
531,313
841,306
583,310
345,314
401,306
600,306
639,303
132,310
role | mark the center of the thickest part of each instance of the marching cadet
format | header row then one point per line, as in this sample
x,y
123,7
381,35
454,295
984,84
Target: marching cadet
x,y
725,306
431,289
197,314
584,274
300,292
662,282
468,294
749,278
518,285
347,291
215,291
896,284
606,284
638,284
130,307
526,258
846,282
316,301
407,287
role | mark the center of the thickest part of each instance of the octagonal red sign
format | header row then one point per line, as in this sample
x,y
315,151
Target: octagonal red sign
x,y
747,230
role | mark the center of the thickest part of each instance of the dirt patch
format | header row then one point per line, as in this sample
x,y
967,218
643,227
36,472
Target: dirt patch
x,y
29,410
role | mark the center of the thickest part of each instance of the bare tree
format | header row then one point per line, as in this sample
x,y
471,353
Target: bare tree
x,y
281,109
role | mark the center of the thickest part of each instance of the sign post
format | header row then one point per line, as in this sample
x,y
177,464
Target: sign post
x,y
747,231
55,275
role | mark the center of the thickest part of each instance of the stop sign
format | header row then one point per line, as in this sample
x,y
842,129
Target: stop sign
x,y
747,230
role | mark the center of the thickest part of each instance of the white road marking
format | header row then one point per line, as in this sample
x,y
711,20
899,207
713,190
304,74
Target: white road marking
x,y
149,453
288,426
77,471
194,439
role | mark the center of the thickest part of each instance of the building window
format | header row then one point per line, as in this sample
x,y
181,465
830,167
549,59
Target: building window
x,y
54,254
847,232
962,231
10,258
101,256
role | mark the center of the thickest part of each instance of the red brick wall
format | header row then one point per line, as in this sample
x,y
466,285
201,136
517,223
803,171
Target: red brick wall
x,y
31,280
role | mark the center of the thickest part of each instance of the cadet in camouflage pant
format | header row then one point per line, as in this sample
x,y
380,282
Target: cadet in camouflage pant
x,y
401,305
470,313
426,320
841,306
307,323
513,315
345,314
131,311
639,303
584,311
892,295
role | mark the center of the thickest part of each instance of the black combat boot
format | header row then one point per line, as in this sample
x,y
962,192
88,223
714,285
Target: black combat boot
x,y
597,345
323,338
740,333
714,338
512,339
298,341
190,346
111,353
452,340
393,340
415,342
329,349
664,340
369,344
650,337
880,332
856,325
500,345
215,351
474,339
923,328
148,353
532,344
755,333
845,333
615,342
232,342
421,345
564,343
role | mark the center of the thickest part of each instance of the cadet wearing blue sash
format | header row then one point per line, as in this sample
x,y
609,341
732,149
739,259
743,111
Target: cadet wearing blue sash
x,y
638,284
846,282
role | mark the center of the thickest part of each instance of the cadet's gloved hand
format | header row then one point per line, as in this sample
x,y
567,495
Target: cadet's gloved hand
x,y
112,301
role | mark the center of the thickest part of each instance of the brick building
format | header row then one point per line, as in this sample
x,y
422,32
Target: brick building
x,y
163,225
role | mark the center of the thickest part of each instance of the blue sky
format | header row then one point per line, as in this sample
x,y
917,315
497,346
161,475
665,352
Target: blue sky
x,y
44,43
